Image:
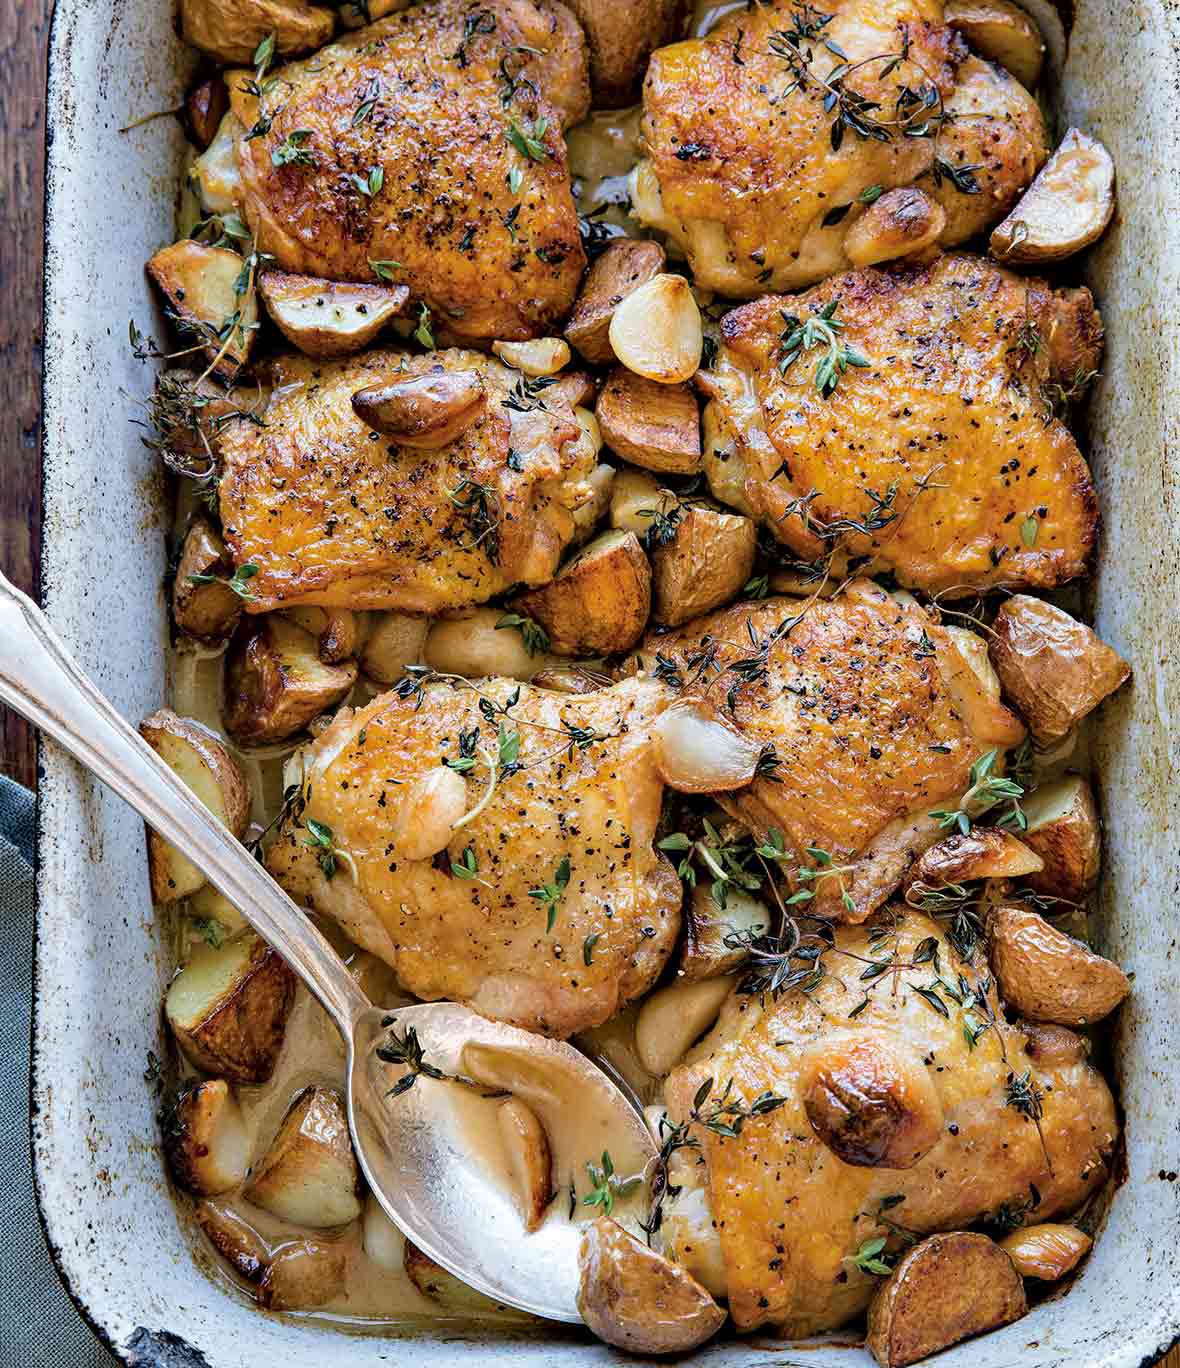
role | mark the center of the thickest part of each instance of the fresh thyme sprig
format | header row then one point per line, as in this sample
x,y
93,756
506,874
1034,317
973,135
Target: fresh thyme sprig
x,y
478,505
323,842
820,330
550,894
1022,1093
406,1049
238,582
607,1185
528,137
534,636
987,789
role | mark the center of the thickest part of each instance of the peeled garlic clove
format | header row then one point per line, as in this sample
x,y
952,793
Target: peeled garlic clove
x,y
697,752
526,1147
541,356
673,1018
1046,1251
427,814
656,331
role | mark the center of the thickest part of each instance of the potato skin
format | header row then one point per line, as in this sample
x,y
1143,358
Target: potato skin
x,y
230,30
352,314
707,562
901,222
197,282
1070,844
945,1289
982,853
1002,32
637,1300
1054,668
654,426
209,612
190,1134
309,1175
1066,208
599,603
621,35
1049,976
625,265
204,108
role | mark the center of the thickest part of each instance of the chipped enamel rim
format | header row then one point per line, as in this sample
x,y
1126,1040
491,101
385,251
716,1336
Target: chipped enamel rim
x,y
123,1247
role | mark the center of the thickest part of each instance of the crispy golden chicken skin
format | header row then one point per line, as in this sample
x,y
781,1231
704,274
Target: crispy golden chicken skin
x,y
402,143
941,459
767,139
574,808
875,719
333,513
790,1213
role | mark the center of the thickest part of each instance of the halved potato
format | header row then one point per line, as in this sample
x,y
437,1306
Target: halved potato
x,y
214,175
698,750
394,641
205,1139
476,646
328,318
1064,830
945,1289
204,108
1054,668
228,1008
1047,1044
207,611
624,265
1002,32
901,222
424,412
304,1274
637,502
541,356
1066,208
637,1300
198,758
199,285
338,631
1047,1251
705,954
674,1017
433,1281
526,1147
705,564
599,602
309,1175
231,30
983,853
208,905
1048,976
275,681
651,425
621,35
238,1243
656,331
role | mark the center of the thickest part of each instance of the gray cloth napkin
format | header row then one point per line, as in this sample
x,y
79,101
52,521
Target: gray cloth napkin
x,y
39,1327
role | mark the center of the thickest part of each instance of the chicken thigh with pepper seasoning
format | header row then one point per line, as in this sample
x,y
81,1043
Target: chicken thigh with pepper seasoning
x,y
796,140
908,416
873,718
428,143
332,512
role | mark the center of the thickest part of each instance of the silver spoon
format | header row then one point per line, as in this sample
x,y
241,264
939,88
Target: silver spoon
x,y
419,1150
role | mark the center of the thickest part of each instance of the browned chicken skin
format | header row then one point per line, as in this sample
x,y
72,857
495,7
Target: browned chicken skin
x,y
764,144
875,719
942,459
434,99
333,513
790,1214
583,787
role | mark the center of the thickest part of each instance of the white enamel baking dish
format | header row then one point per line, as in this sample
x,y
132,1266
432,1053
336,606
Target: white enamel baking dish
x,y
121,1245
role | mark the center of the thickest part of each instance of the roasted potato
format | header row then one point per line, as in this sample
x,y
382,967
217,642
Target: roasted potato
x,y
231,30
1066,208
213,909
698,750
673,1018
206,1141
304,1274
1002,32
237,1242
526,1148
541,356
394,641
601,482
424,412
624,265
354,16
214,176
600,601
654,426
637,1300
203,604
199,287
637,503
1048,976
198,758
656,331
901,222
204,108
228,1008
983,853
1052,667
705,563
433,1281
1064,830
309,1175
275,681
1046,1251
945,1289
339,632
621,35
871,1102
485,642
1048,1045
705,953
326,318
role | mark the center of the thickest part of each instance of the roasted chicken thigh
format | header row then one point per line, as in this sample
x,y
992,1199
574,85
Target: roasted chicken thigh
x,y
769,139
909,1105
938,453
429,143
332,512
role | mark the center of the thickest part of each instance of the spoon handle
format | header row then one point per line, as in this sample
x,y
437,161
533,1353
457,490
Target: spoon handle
x,y
41,680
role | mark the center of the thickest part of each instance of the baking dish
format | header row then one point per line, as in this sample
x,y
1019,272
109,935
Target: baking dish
x,y
101,956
